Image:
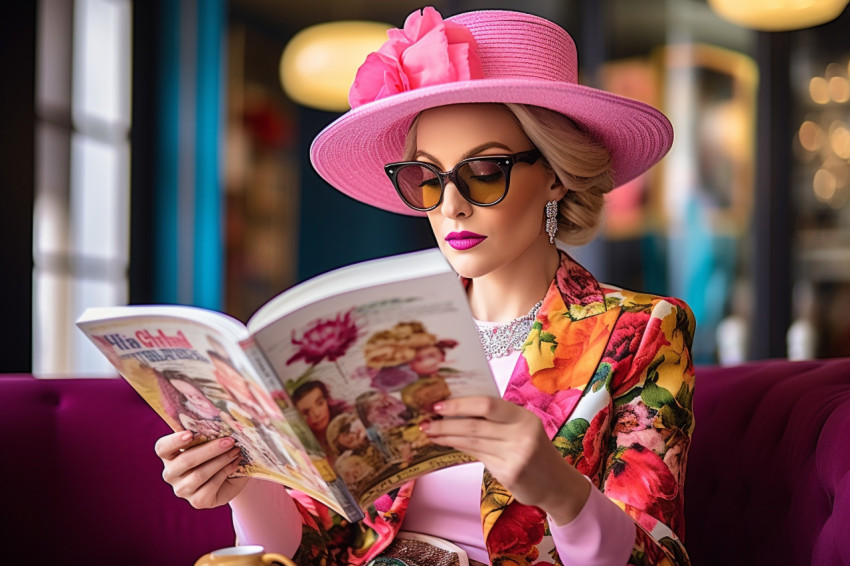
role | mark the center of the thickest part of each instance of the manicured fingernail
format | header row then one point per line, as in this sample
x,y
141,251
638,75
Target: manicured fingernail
x,y
226,442
437,407
424,426
186,436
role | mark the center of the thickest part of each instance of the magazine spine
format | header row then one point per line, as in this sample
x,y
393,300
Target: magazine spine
x,y
255,355
350,508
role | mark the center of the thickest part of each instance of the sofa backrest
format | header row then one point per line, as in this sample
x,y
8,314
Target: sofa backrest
x,y
768,478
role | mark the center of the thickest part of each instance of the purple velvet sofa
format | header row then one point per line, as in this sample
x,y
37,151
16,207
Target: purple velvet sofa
x,y
769,467
768,477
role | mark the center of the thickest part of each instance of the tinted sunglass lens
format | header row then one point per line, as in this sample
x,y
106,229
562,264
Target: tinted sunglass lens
x,y
419,186
484,180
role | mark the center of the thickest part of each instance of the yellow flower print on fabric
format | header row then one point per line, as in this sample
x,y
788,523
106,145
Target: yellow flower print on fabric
x,y
494,498
574,358
640,300
539,349
672,374
578,312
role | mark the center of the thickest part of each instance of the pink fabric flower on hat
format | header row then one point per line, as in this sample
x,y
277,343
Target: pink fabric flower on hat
x,y
428,51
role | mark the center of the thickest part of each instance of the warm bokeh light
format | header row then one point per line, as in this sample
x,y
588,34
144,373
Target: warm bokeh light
x,y
839,139
819,90
777,15
810,136
839,89
318,64
824,184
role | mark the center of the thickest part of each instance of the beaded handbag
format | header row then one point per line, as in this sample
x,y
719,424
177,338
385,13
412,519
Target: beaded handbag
x,y
415,549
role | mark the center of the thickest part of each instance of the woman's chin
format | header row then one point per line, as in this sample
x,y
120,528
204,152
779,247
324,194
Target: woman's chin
x,y
474,266
466,267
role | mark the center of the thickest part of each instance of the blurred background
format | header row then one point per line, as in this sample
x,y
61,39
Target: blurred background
x,y
157,152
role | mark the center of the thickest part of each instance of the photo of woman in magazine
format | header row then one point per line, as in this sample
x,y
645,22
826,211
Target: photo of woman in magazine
x,y
209,394
366,418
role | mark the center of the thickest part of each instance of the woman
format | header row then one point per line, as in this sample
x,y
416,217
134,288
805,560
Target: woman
x,y
314,402
198,413
428,360
254,402
478,123
347,433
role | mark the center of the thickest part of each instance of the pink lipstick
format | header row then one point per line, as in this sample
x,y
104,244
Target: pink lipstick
x,y
464,240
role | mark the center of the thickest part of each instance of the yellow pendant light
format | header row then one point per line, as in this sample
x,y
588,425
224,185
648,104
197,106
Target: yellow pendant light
x,y
778,15
318,64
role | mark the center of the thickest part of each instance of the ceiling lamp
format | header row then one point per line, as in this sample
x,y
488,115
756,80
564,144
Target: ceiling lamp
x,y
778,15
318,64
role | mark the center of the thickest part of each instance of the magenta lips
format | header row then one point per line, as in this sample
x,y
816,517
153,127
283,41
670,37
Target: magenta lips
x,y
464,240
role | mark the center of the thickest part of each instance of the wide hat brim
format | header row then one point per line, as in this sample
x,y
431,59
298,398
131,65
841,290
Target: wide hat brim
x,y
351,152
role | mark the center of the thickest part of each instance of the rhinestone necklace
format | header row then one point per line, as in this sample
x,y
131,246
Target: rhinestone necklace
x,y
501,339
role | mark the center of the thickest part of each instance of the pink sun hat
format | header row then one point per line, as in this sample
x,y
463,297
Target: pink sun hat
x,y
489,56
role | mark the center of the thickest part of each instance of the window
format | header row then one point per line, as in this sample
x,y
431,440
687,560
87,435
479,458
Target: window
x,y
81,213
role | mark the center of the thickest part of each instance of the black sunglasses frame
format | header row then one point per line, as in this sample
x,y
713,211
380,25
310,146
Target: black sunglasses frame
x,y
505,163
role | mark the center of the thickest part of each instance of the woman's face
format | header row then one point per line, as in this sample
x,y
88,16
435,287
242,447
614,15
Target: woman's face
x,y
314,408
353,469
384,411
505,237
428,360
354,437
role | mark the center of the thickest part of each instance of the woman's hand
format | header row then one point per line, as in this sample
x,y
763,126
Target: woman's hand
x,y
200,474
512,444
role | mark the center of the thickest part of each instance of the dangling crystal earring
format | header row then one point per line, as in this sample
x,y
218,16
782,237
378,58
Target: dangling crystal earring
x,y
552,220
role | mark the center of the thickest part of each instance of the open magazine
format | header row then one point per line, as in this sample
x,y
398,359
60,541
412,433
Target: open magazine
x,y
325,387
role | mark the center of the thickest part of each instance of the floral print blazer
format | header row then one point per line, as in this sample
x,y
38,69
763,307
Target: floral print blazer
x,y
609,373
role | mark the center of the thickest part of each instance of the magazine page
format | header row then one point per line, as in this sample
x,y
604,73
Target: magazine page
x,y
365,367
198,378
350,278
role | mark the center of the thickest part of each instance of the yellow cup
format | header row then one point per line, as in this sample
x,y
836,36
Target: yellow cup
x,y
249,555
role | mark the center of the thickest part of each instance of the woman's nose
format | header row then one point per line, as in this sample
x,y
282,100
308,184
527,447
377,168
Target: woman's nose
x,y
454,204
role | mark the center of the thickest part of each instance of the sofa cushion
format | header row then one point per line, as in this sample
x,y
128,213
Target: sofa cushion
x,y
768,478
832,464
768,475
81,481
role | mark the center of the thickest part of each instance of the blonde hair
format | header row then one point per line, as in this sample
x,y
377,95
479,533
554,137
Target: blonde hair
x,y
339,424
580,162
